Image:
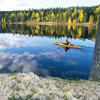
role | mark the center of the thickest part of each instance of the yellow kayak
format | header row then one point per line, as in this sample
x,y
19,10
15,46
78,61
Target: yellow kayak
x,y
68,46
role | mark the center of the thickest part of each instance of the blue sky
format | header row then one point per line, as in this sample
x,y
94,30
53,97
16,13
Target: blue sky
x,y
26,4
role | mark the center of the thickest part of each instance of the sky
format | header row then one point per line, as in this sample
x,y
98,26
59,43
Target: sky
x,y
8,5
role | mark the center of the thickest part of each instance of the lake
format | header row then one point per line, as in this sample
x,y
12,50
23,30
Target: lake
x,y
31,49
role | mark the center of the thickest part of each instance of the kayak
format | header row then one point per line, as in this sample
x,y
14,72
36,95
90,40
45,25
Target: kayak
x,y
68,46
65,45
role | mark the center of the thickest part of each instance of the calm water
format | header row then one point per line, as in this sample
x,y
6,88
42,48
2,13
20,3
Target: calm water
x,y
32,49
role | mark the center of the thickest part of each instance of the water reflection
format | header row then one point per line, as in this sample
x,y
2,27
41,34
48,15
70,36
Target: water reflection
x,y
50,31
26,49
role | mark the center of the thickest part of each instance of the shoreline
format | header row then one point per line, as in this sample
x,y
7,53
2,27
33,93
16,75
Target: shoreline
x,y
85,24
32,87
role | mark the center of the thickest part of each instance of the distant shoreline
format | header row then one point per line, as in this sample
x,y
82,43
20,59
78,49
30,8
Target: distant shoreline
x,y
53,24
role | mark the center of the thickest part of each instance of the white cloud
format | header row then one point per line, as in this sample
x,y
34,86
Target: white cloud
x,y
26,4
3,56
15,41
1,66
10,41
24,62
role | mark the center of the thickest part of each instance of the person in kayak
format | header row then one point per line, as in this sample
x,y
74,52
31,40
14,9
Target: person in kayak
x,y
67,42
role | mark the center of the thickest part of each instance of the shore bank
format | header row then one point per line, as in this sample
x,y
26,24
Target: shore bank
x,y
28,86
86,24
45,23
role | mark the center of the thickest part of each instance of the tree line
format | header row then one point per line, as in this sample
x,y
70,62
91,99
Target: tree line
x,y
57,15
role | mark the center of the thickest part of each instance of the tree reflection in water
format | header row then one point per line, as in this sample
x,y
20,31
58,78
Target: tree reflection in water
x,y
50,31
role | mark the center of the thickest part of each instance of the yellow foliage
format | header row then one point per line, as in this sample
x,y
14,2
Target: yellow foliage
x,y
81,16
91,19
69,21
32,15
98,9
36,14
75,12
69,27
79,32
74,21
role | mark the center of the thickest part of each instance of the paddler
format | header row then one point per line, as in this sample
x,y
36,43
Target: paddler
x,y
67,42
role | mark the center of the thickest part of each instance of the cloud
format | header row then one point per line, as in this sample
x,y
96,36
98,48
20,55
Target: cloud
x,y
16,41
13,41
72,62
3,56
24,62
1,66
2,46
24,66
26,4
51,55
10,41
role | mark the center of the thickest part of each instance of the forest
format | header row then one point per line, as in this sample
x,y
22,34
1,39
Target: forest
x,y
70,15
